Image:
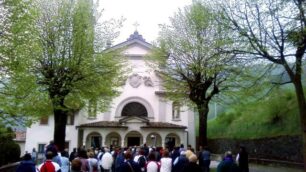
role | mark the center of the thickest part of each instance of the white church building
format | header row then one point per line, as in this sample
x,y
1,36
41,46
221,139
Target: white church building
x,y
140,114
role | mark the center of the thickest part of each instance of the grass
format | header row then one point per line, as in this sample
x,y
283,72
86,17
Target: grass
x,y
213,170
273,116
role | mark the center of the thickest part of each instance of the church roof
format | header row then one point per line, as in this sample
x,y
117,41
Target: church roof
x,y
102,124
117,124
163,125
134,38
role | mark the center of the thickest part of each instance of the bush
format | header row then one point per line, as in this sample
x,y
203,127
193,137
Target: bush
x,y
275,115
9,150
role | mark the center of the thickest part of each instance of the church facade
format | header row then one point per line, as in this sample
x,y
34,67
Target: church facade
x,y
139,115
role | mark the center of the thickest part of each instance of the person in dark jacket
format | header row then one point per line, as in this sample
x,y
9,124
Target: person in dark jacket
x,y
26,165
205,159
228,164
129,165
73,154
119,160
180,162
175,153
243,160
192,165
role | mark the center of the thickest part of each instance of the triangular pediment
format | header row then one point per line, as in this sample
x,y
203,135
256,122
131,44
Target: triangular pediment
x,y
133,119
135,45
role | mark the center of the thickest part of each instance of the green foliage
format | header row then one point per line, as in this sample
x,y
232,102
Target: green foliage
x,y
276,114
9,150
48,55
189,59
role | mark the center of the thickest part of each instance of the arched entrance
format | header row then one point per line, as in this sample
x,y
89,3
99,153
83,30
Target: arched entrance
x,y
113,138
154,140
93,140
134,109
172,140
133,138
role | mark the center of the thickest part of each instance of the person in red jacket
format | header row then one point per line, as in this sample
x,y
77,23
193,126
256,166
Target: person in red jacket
x,y
48,165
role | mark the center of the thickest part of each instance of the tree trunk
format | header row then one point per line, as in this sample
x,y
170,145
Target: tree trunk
x,y
60,121
203,113
302,111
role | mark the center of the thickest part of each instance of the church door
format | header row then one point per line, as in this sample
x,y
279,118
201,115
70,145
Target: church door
x,y
132,141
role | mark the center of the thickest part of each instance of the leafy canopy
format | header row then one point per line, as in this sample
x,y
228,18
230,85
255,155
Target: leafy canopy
x,y
50,52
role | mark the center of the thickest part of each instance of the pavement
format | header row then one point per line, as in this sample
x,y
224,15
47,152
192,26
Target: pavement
x,y
263,168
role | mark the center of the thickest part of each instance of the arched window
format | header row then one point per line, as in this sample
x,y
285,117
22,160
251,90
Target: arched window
x,y
134,109
176,111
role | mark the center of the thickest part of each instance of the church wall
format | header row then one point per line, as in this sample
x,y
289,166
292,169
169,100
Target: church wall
x,y
43,134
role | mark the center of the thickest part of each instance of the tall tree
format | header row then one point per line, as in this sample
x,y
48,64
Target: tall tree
x,y
61,70
190,63
274,31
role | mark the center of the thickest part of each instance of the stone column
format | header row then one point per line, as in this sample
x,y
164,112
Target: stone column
x,y
163,142
144,140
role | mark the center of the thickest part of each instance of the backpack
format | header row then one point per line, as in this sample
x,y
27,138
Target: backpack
x,y
142,162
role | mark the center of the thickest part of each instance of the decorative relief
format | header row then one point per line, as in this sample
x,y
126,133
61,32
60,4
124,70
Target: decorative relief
x,y
135,80
147,81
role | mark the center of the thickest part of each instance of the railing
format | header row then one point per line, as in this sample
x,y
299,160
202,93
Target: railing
x,y
9,167
218,157
279,162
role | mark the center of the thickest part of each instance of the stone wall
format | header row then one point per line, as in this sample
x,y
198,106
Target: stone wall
x,y
285,148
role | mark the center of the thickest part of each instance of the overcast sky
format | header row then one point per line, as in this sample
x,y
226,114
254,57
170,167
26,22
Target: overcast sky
x,y
147,13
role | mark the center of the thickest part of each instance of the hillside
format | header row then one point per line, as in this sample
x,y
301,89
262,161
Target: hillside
x,y
274,115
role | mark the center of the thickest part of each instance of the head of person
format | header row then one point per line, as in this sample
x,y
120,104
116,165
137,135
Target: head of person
x,y
242,149
188,147
106,149
141,151
166,153
228,154
193,158
128,155
82,153
27,157
91,154
188,153
64,154
49,155
183,153
151,157
76,165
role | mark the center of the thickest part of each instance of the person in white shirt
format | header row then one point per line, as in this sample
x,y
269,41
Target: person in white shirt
x,y
65,162
152,165
107,160
165,162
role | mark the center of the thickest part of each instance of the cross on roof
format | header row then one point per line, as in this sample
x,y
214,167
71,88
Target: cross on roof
x,y
136,24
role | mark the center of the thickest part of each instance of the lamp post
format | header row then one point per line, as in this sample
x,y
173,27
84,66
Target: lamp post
x,y
153,138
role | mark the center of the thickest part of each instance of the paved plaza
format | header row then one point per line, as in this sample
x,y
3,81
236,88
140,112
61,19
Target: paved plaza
x,y
263,168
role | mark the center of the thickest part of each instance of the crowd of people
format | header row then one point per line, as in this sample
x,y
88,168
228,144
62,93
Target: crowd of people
x,y
132,159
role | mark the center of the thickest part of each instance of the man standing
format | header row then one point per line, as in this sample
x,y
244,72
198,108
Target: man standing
x,y
48,165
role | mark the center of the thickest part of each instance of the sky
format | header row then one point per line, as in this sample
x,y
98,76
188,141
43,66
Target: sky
x,y
147,13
